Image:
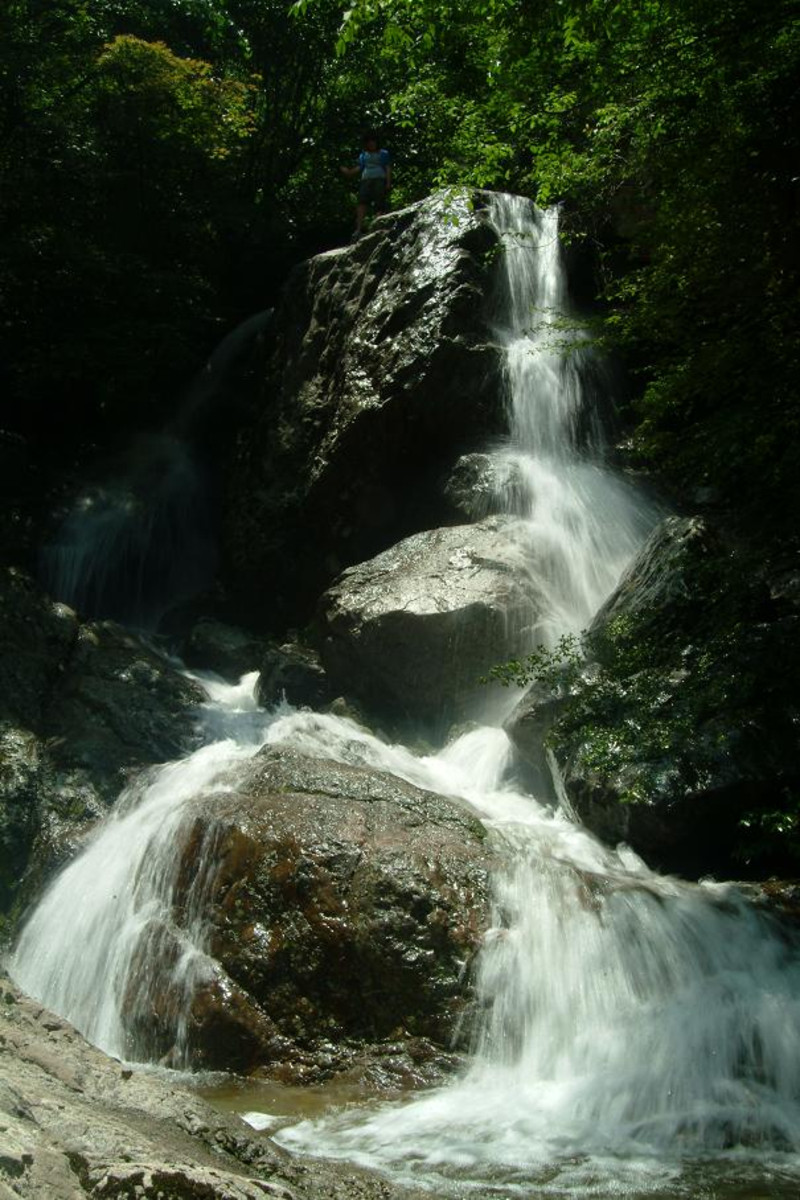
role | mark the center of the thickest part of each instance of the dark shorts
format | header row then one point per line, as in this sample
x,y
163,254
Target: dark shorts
x,y
372,191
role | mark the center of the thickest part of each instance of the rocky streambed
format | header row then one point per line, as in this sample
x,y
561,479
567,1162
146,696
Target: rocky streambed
x,y
75,1123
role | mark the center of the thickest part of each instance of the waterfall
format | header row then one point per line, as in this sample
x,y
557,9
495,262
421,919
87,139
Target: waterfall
x,y
105,940
141,540
138,542
579,522
629,1025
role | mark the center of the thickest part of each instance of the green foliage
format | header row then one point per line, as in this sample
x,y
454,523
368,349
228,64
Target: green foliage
x,y
551,668
695,697
667,129
217,127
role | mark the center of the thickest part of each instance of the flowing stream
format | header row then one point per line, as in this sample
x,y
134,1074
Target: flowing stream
x,y
636,1029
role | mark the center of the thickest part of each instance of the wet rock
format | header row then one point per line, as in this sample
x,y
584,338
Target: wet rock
x,y
660,585
121,705
221,1029
779,897
411,632
81,706
225,649
344,905
20,782
714,751
37,637
697,802
382,362
481,485
294,673
73,1124
528,726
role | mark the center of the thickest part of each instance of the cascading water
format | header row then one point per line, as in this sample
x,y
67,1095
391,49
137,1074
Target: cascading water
x,y
98,941
579,522
629,1021
141,540
631,1025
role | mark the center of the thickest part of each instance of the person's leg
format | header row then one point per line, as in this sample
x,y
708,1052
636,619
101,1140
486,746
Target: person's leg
x,y
362,206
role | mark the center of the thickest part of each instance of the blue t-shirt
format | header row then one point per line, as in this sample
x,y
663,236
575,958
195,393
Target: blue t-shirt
x,y
373,163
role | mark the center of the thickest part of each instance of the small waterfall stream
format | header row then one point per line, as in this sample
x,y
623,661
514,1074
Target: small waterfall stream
x,y
580,522
631,1024
141,540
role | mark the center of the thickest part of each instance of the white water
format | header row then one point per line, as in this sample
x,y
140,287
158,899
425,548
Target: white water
x,y
629,1021
581,523
84,950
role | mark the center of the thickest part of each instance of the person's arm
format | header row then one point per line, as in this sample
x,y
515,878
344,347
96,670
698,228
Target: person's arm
x,y
356,169
388,176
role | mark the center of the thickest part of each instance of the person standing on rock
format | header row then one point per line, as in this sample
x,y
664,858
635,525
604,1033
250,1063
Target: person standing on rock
x,y
375,169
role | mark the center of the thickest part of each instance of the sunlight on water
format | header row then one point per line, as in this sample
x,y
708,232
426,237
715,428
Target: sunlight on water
x,y
639,1036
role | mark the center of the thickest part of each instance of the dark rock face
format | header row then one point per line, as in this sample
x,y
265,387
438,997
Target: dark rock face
x,y
727,753
411,632
660,585
294,673
528,726
36,639
81,706
120,706
229,651
344,905
382,365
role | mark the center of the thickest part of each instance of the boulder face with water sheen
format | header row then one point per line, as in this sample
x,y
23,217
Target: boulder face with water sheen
x,y
411,632
82,705
695,793
344,907
382,367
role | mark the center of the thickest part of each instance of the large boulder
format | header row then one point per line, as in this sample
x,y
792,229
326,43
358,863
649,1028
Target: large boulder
x,y
665,587
82,705
382,365
342,907
679,735
411,632
120,705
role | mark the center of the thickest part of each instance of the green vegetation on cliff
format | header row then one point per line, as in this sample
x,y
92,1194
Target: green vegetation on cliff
x,y
162,167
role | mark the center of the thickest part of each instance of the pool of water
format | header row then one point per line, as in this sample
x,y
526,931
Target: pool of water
x,y
293,1116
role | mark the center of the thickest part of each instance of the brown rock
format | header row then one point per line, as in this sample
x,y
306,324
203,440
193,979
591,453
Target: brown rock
x,y
343,905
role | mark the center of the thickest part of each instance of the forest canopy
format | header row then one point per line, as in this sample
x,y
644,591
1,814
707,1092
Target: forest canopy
x,y
163,165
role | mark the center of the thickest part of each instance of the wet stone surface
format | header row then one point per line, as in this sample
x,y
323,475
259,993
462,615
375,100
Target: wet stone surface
x,y
345,909
411,632
382,364
76,1123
